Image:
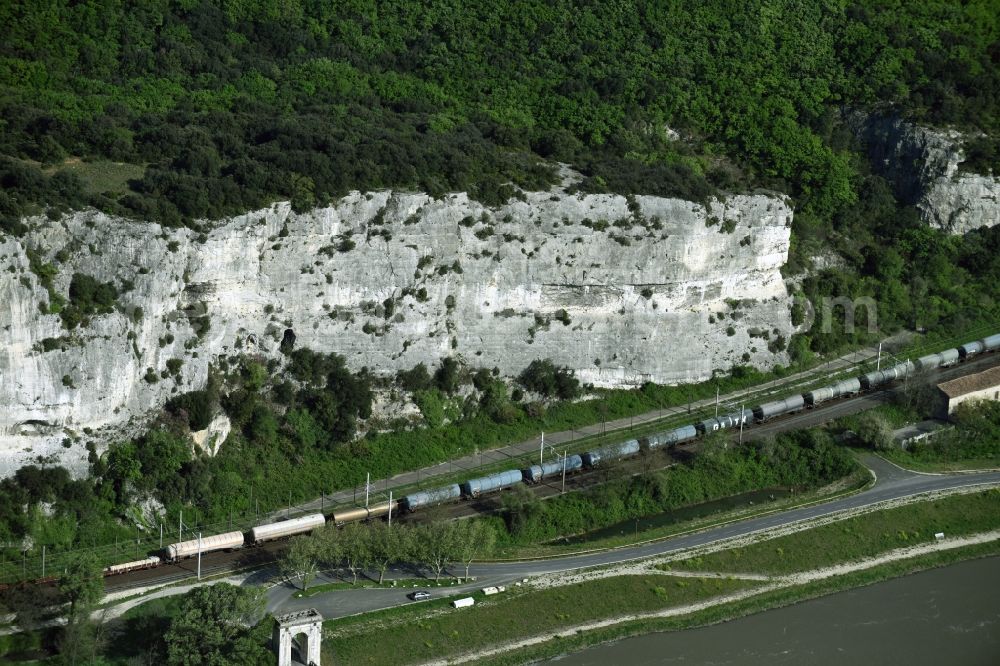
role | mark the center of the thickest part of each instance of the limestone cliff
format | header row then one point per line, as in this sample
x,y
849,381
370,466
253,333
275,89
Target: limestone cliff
x,y
923,165
623,292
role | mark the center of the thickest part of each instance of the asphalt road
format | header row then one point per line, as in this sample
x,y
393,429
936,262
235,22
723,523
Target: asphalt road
x,y
891,483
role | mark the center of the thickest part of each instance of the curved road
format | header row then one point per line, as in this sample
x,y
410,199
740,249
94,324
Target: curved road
x,y
892,483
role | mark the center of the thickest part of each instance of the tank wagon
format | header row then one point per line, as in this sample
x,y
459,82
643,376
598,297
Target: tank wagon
x,y
939,360
431,497
838,390
970,349
226,541
488,484
725,421
611,452
879,377
536,473
137,565
769,410
362,513
285,528
671,437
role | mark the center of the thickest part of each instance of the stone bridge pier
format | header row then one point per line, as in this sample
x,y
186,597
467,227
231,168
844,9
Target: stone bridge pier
x,y
304,628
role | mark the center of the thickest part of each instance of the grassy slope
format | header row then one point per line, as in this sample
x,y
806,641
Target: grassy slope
x,y
861,536
515,615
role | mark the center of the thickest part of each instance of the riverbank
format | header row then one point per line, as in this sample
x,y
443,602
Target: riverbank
x,y
777,592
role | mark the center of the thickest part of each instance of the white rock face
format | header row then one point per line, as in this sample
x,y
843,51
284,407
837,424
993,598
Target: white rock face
x,y
621,306
923,164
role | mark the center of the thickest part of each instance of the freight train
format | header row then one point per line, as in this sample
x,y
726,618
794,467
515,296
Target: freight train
x,y
605,455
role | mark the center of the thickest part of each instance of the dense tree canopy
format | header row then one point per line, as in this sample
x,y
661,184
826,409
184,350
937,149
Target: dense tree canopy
x,y
232,104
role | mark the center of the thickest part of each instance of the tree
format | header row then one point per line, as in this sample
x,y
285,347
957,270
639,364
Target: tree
x,y
387,545
519,506
216,626
446,377
474,538
874,430
438,545
301,560
329,545
354,548
82,585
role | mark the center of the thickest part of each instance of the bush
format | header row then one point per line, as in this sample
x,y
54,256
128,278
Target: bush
x,y
87,296
543,377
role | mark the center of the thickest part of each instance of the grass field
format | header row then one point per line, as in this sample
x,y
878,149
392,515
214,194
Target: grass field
x,y
436,632
101,177
903,459
862,536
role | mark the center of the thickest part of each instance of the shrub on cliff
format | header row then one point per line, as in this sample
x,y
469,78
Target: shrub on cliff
x,y
542,376
87,296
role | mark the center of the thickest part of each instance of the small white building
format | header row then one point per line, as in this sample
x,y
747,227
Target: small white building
x,y
983,385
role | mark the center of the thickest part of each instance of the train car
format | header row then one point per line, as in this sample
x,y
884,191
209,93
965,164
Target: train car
x,y
493,482
611,452
708,425
137,565
285,528
836,390
991,343
737,418
352,515
778,407
970,349
819,395
226,541
902,370
671,437
939,360
880,377
847,387
536,473
431,497
724,422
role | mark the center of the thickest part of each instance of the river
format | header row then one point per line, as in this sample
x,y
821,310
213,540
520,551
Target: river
x,y
942,616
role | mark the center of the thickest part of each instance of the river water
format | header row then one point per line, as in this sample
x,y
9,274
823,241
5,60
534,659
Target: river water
x,y
942,616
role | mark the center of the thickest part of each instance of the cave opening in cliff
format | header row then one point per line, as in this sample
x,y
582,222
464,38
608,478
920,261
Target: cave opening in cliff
x,y
288,341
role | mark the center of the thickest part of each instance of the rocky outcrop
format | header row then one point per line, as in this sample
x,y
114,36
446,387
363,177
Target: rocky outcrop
x,y
624,292
923,165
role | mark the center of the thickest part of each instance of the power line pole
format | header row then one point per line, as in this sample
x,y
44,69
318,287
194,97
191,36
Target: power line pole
x,y
180,526
199,555
564,473
390,509
742,419
716,401
878,361
541,449
368,480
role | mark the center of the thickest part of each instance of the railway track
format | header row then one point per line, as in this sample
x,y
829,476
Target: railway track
x,y
262,555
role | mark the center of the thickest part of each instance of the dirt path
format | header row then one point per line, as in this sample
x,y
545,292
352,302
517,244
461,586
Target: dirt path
x,y
775,583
